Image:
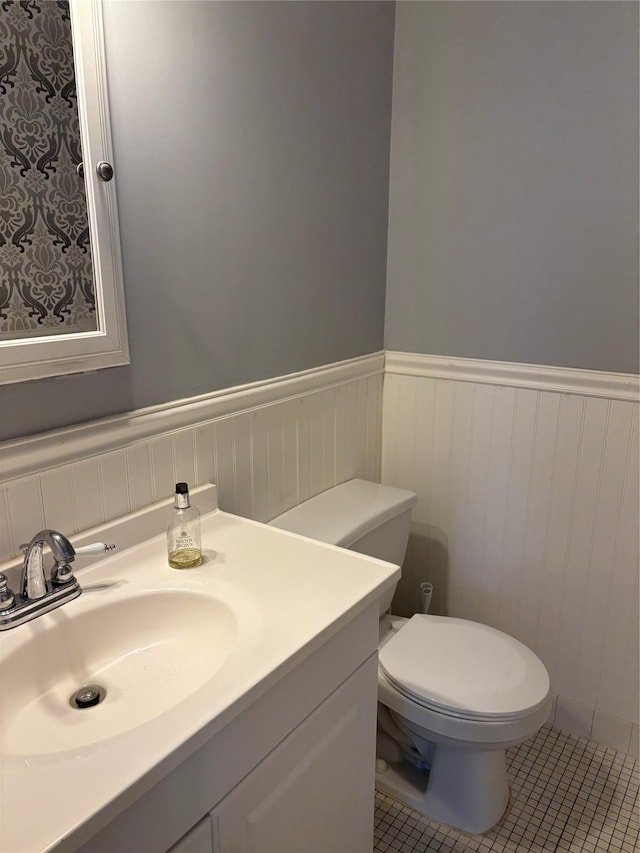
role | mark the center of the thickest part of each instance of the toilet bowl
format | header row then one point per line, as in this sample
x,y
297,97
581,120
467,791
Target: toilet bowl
x,y
462,693
453,694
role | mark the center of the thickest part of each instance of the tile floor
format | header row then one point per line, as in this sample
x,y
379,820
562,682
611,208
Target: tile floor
x,y
567,794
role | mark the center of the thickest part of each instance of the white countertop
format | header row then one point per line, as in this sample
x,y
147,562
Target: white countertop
x,y
289,595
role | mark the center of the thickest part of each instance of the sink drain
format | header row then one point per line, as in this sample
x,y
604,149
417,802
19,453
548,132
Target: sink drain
x,y
87,696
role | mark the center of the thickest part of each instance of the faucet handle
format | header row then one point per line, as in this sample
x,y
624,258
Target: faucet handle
x,y
96,549
7,598
62,572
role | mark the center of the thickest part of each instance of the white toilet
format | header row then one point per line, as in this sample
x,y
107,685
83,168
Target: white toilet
x,y
453,694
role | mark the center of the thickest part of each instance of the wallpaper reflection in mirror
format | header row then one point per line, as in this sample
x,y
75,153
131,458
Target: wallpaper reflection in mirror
x,y
46,280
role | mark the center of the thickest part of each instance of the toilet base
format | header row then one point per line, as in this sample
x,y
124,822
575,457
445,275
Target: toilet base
x,y
465,789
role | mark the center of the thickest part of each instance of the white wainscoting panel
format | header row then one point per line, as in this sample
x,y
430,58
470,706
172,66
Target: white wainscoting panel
x,y
267,447
527,515
527,481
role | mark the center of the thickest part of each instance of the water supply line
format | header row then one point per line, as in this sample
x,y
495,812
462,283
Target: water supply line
x,y
426,592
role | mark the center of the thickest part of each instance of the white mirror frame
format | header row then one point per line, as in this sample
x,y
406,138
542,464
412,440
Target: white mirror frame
x,y
36,358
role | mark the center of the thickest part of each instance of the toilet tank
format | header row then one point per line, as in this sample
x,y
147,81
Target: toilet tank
x,y
365,517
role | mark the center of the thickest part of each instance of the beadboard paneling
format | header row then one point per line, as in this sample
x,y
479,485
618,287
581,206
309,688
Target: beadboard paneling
x,y
528,496
527,515
266,457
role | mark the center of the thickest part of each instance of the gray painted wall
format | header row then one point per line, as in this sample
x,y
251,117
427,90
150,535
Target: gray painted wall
x,y
252,156
513,210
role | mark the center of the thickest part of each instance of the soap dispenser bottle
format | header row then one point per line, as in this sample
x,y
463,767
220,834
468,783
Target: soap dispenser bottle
x,y
183,532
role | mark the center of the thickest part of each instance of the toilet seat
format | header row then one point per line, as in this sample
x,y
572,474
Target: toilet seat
x,y
462,669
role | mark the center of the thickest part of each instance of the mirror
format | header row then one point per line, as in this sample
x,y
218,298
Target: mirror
x,y
68,297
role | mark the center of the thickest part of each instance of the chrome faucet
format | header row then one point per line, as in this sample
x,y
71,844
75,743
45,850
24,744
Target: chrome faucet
x,y
33,584
37,595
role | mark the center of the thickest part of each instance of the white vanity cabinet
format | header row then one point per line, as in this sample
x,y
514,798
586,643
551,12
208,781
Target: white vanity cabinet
x,y
199,839
292,773
314,792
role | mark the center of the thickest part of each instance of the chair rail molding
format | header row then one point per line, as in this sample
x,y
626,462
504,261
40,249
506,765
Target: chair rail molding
x,y
24,456
540,377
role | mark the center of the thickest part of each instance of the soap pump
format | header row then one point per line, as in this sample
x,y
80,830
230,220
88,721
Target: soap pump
x,y
183,531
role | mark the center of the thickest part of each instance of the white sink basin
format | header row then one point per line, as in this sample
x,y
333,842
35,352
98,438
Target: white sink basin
x,y
149,652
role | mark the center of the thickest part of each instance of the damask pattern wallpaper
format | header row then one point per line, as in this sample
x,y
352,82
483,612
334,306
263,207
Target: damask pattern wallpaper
x,y
46,280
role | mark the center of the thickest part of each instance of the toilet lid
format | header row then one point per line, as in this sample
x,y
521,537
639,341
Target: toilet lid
x,y
464,669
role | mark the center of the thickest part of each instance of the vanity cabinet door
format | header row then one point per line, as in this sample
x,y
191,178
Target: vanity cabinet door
x,y
314,792
199,839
